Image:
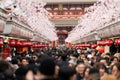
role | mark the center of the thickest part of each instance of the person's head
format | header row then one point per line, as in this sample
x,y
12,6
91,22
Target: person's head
x,y
114,60
74,57
80,61
4,65
64,56
34,57
102,69
86,72
6,71
82,56
47,67
80,68
24,62
116,69
117,55
67,73
21,72
94,74
87,63
109,77
14,61
104,61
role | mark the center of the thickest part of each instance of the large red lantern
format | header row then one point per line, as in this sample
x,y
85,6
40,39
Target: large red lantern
x,y
12,42
34,46
101,43
81,45
76,45
117,41
47,46
40,46
18,43
86,45
108,42
26,43
93,46
1,42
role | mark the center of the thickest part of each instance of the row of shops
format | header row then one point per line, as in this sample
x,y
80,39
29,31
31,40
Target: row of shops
x,y
106,37
17,34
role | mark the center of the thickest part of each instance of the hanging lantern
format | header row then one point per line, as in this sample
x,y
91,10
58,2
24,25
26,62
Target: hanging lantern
x,y
37,46
108,42
101,43
47,46
117,41
34,46
93,46
26,43
1,42
12,42
81,45
29,43
43,45
76,45
86,45
18,43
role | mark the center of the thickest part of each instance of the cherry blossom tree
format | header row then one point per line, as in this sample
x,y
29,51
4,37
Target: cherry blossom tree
x,y
100,14
34,14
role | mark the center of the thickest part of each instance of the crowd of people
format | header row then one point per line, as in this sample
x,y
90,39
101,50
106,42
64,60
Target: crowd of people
x,y
61,64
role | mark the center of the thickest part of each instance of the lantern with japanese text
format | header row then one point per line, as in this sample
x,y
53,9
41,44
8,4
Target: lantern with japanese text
x,y
37,46
76,45
81,45
26,43
12,42
46,46
108,42
18,43
101,43
117,41
34,46
86,45
93,46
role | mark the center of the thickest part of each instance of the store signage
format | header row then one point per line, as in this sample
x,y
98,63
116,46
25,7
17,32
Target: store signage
x,y
17,30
